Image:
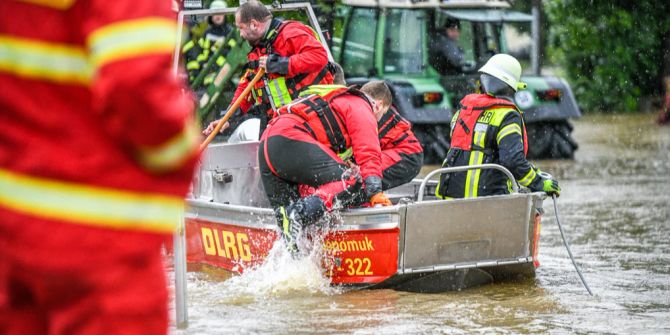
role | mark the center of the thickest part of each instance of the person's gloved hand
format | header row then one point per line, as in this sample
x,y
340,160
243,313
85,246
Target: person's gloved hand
x,y
380,199
373,185
550,186
276,64
213,124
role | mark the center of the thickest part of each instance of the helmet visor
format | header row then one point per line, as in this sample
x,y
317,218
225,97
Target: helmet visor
x,y
495,86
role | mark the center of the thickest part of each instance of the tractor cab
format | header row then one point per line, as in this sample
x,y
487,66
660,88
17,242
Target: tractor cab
x,y
484,27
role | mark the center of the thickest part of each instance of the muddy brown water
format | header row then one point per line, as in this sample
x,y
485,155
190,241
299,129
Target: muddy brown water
x,y
615,209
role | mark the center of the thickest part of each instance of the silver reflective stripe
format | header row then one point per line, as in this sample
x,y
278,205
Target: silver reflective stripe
x,y
87,204
41,60
481,127
279,93
132,38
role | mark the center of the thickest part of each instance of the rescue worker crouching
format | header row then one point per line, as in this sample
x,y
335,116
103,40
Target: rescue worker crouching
x,y
402,154
301,147
197,53
290,53
401,151
489,128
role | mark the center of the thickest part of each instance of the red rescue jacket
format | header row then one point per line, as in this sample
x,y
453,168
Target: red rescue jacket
x,y
341,119
395,134
95,132
308,63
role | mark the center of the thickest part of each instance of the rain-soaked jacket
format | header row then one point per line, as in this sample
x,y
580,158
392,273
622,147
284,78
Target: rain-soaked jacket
x,y
486,130
308,65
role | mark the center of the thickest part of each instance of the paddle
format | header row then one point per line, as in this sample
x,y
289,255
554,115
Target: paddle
x,y
232,109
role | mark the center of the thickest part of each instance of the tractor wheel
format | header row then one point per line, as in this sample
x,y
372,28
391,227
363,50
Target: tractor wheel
x,y
551,140
435,142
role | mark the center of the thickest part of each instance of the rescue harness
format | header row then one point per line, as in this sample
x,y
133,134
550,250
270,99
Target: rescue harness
x,y
321,121
387,123
282,90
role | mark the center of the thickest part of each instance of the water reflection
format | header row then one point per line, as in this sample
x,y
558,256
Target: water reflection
x,y
614,207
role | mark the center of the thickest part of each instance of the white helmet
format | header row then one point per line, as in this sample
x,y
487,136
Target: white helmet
x,y
505,68
218,4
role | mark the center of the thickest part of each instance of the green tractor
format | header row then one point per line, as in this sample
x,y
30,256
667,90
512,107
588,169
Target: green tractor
x,y
390,40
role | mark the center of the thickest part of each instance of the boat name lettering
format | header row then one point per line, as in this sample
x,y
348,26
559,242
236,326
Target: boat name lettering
x,y
226,244
349,245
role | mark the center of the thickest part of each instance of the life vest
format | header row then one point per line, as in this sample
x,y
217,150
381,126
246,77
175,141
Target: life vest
x,y
475,135
282,90
325,124
474,117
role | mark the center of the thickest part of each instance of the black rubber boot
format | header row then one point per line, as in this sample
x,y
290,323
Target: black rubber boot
x,y
294,217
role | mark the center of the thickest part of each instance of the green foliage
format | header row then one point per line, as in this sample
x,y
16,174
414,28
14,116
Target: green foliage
x,y
611,50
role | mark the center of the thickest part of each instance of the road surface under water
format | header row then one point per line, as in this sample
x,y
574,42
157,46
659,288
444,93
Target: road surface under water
x,y
615,209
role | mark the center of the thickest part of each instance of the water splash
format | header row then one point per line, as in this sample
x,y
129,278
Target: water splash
x,y
283,275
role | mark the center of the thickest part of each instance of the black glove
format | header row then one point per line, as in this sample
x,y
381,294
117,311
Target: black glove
x,y
373,185
276,64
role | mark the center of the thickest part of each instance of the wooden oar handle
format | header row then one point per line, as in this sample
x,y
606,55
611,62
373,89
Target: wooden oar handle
x,y
232,108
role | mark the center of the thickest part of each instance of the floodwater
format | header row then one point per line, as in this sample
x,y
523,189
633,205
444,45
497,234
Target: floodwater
x,y
615,209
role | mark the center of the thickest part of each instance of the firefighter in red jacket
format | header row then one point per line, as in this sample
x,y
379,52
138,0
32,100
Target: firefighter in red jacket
x,y
97,149
291,55
304,145
489,128
402,154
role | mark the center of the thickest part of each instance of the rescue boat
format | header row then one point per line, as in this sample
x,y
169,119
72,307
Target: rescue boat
x,y
420,244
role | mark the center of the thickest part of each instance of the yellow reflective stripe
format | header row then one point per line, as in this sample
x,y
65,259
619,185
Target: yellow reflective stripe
x,y
209,78
132,38
346,154
479,138
472,176
437,193
528,178
57,4
498,115
508,130
232,42
89,205
201,57
172,153
192,65
453,122
320,89
63,63
220,61
279,92
188,46
285,222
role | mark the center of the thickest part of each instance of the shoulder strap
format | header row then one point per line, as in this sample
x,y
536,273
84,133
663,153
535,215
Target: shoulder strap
x,y
388,122
329,120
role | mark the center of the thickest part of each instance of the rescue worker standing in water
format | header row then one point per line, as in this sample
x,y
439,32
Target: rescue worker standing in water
x,y
290,53
303,145
489,128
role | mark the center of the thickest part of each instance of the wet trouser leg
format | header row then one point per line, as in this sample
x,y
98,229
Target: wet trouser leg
x,y
401,172
285,163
